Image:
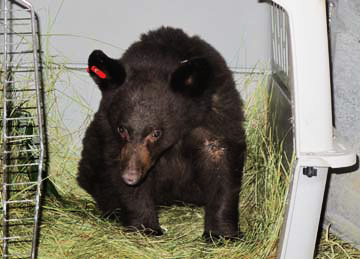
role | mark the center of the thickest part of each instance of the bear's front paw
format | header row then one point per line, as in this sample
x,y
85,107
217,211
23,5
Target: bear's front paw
x,y
152,232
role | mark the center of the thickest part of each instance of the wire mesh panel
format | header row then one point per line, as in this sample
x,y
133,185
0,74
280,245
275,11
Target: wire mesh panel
x,y
280,43
22,134
281,88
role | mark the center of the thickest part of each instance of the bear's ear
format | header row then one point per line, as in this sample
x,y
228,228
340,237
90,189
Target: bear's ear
x,y
107,73
192,76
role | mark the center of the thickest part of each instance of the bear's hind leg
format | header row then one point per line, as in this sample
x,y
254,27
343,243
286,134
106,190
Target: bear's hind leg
x,y
221,215
220,168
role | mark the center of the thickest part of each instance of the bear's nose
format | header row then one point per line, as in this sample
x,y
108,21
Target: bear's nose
x,y
131,177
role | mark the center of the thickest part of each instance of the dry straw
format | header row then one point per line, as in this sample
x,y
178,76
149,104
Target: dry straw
x,y
72,227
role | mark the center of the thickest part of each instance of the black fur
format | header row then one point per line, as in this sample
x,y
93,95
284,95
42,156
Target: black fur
x,y
169,128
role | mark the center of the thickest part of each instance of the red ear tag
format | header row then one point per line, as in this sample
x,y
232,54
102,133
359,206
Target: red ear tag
x,y
98,72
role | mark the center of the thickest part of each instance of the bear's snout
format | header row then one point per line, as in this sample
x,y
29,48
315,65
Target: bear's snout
x,y
136,159
131,176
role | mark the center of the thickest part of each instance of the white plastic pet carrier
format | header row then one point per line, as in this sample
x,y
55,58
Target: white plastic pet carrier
x,y
302,86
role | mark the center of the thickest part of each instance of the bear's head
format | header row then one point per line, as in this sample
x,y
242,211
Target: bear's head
x,y
149,109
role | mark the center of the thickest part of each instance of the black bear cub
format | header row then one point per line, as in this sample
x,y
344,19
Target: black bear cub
x,y
168,129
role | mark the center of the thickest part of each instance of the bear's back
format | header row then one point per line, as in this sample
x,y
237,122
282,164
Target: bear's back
x,y
167,47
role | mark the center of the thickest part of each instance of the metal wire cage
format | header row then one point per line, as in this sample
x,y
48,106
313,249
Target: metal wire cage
x,y
22,130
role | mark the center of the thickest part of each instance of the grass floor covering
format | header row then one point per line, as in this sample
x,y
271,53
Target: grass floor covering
x,y
72,227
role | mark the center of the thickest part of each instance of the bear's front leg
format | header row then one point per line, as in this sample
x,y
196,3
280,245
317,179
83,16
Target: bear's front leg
x,y
140,213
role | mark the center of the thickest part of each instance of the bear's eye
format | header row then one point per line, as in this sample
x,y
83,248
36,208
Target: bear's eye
x,y
122,131
156,134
